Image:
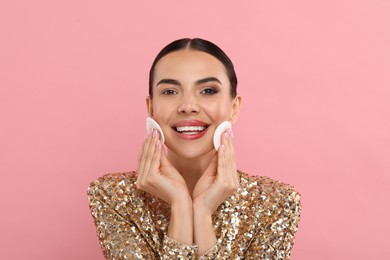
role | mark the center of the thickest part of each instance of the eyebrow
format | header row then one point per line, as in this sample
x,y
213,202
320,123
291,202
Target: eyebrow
x,y
198,82
168,81
205,80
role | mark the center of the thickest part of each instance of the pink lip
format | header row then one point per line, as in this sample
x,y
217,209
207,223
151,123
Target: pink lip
x,y
190,123
191,136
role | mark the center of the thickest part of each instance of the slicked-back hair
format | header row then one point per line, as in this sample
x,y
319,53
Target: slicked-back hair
x,y
197,44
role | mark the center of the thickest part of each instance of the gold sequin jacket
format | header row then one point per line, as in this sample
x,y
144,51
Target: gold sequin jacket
x,y
258,221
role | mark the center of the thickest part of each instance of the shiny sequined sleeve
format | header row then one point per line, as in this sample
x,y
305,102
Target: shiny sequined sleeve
x,y
259,221
126,228
276,237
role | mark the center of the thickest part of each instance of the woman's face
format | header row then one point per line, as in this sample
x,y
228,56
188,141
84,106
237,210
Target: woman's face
x,y
191,97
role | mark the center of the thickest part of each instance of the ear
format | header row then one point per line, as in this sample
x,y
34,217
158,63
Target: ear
x,y
236,109
149,106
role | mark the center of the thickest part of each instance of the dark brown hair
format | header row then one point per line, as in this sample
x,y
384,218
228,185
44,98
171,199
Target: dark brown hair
x,y
199,45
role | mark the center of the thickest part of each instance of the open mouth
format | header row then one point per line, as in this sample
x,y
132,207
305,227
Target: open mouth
x,y
192,128
189,130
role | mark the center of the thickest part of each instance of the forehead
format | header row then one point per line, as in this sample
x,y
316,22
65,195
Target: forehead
x,y
189,65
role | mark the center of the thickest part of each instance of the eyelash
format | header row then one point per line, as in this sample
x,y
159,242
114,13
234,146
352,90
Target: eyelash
x,y
169,92
206,91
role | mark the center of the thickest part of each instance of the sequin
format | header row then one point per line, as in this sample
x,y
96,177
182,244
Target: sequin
x,y
258,221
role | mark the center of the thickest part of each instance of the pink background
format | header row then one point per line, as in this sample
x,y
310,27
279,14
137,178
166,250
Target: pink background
x,y
315,77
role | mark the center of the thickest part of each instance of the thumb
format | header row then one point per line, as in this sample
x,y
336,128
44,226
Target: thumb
x,y
212,168
164,160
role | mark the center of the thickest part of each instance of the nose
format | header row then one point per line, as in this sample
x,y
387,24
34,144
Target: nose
x,y
188,104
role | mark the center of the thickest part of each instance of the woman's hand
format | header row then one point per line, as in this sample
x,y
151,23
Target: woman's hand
x,y
156,175
219,181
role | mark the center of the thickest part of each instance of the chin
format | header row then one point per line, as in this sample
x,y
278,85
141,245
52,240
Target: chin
x,y
191,152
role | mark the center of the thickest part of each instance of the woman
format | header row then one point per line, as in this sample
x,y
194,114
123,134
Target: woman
x,y
190,201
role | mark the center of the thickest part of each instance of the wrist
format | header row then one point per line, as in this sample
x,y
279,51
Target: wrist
x,y
182,203
181,221
201,210
202,214
204,233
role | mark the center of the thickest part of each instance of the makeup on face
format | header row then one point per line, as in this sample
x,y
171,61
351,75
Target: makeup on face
x,y
192,130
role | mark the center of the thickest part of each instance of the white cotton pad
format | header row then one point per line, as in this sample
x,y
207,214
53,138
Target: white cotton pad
x,y
151,123
218,132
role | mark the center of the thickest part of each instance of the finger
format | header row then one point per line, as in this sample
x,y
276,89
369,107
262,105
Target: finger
x,y
230,163
149,154
214,160
142,156
227,148
232,159
225,152
212,168
221,164
155,163
164,159
142,148
229,152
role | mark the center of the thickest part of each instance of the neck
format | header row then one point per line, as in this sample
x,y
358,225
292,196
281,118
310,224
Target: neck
x,y
191,169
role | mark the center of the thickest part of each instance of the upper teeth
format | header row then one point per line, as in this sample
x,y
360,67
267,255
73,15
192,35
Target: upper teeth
x,y
190,128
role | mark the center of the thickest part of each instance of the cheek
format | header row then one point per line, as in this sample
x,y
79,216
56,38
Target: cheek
x,y
163,110
217,111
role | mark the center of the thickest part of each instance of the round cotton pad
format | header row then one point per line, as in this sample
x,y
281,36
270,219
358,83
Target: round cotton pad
x,y
218,132
151,123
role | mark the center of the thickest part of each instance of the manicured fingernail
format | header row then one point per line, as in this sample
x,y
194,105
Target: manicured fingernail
x,y
223,147
231,133
158,143
154,132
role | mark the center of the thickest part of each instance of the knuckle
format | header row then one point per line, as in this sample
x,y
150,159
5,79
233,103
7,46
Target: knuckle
x,y
149,182
143,185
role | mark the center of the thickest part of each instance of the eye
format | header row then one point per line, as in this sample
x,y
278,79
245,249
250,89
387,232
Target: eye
x,y
209,91
169,92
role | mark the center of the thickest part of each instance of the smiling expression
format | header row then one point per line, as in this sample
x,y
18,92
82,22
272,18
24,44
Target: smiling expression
x,y
191,97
